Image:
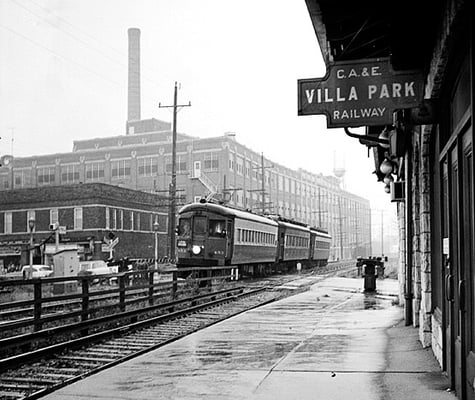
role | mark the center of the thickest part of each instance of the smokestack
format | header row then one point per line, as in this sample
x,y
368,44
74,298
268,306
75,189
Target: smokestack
x,y
133,110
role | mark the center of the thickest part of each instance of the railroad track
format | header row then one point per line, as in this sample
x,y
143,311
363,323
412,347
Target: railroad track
x,y
34,374
65,363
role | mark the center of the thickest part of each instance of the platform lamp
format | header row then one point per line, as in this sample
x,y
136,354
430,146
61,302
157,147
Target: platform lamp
x,y
31,225
156,225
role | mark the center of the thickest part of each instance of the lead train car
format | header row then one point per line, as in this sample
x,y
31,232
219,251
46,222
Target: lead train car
x,y
214,235
210,234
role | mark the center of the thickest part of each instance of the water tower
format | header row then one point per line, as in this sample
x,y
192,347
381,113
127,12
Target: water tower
x,y
339,167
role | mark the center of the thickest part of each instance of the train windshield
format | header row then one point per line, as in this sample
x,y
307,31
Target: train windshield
x,y
184,227
216,227
199,225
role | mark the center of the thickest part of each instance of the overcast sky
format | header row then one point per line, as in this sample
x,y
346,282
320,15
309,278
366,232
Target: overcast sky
x,y
63,77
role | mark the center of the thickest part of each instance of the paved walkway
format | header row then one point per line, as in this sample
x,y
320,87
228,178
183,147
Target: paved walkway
x,y
331,342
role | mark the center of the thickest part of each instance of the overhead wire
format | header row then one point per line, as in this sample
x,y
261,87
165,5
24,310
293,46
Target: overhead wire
x,y
58,54
203,115
122,54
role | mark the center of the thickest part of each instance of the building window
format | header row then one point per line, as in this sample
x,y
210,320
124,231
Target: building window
x,y
95,171
46,175
108,218
132,221
77,218
254,170
114,219
147,166
4,182
120,169
53,216
211,162
121,220
239,166
137,222
70,173
22,178
247,168
8,223
180,164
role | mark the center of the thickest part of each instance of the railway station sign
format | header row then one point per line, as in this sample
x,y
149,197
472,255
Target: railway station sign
x,y
360,93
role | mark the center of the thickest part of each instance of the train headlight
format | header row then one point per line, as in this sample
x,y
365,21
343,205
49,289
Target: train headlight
x,y
196,249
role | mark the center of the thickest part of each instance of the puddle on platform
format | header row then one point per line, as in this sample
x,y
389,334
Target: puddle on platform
x,y
371,302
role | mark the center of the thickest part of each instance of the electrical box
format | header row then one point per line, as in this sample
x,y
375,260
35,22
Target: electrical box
x,y
66,263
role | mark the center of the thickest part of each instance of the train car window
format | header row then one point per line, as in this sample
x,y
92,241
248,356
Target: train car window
x,y
199,225
184,227
216,227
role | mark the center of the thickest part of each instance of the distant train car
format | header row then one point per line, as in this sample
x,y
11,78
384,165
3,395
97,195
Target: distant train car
x,y
212,234
319,247
293,243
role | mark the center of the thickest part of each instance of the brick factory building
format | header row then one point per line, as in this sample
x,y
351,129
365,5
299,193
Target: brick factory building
x,y
90,213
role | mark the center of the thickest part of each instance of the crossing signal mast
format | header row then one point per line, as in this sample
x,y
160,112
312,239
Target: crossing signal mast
x,y
172,186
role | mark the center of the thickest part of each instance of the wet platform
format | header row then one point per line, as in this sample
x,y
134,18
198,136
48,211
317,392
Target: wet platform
x,y
330,342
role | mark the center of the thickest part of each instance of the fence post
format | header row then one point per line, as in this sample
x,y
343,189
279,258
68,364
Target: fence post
x,y
37,306
122,279
175,283
150,287
85,303
85,299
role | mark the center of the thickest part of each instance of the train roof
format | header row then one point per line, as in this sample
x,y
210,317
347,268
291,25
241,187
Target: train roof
x,y
320,232
299,227
226,211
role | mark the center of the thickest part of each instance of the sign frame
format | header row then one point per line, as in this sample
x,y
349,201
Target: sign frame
x,y
360,93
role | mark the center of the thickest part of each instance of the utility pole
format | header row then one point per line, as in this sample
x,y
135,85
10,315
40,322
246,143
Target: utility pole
x,y
262,189
263,184
320,211
12,130
172,187
341,227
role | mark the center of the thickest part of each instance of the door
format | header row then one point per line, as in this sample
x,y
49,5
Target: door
x,y
197,169
457,191
458,247
229,240
466,284
457,200
451,209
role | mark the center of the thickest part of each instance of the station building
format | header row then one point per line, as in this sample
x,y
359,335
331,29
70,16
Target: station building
x,y
425,155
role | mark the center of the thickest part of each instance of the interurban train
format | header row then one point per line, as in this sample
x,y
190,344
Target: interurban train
x,y
210,234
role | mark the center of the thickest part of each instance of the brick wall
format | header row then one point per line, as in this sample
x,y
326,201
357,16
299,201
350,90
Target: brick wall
x,y
425,325
93,217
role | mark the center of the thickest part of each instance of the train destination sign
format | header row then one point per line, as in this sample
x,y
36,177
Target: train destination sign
x,y
360,93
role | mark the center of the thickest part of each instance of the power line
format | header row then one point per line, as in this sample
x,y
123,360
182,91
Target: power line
x,y
119,52
59,55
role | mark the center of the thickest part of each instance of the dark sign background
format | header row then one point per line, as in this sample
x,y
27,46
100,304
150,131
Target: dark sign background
x,y
360,93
